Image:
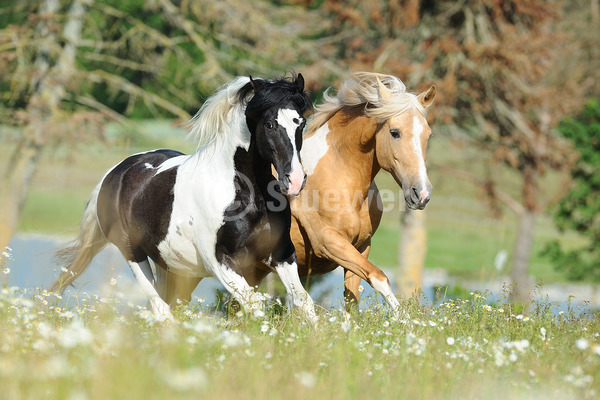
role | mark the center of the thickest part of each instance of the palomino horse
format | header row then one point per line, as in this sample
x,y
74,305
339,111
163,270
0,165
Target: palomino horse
x,y
372,123
206,214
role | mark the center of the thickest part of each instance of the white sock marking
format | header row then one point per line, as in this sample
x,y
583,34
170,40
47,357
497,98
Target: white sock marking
x,y
144,277
288,273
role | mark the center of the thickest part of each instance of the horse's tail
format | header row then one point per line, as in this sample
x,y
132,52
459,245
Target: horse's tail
x,y
75,257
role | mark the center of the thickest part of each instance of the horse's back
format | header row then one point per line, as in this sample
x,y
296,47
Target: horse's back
x,y
136,199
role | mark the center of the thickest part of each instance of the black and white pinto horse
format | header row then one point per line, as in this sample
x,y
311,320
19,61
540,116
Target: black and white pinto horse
x,y
216,212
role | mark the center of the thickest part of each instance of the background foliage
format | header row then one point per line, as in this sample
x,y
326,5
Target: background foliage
x,y
579,210
507,72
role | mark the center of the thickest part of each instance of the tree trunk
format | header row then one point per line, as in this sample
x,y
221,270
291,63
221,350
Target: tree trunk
x,y
521,258
524,240
14,187
412,247
48,84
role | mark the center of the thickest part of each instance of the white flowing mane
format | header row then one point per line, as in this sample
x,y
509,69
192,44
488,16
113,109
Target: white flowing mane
x,y
362,88
219,115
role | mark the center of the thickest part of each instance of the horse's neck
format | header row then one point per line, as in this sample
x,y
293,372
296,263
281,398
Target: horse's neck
x,y
353,145
261,169
221,152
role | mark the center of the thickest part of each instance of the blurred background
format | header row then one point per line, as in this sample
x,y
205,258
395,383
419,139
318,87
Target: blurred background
x,y
514,158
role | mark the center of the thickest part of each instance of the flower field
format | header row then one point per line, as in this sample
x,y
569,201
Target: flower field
x,y
105,348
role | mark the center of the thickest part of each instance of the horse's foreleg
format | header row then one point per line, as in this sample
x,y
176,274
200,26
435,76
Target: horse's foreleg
x,y
335,246
235,284
288,273
143,275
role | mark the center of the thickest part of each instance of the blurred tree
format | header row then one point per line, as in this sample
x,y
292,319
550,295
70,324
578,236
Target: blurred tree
x,y
579,210
502,80
68,66
50,68
412,246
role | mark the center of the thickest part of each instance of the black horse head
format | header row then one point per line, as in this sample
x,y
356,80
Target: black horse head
x,y
275,117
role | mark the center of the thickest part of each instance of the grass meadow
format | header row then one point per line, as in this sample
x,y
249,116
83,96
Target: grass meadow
x,y
105,348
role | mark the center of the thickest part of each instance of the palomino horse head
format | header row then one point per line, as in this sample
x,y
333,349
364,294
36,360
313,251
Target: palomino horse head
x,y
401,144
275,117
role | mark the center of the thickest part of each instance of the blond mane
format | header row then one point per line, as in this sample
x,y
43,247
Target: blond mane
x,y
362,88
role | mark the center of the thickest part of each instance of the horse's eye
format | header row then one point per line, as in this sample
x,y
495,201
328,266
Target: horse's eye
x,y
269,125
395,133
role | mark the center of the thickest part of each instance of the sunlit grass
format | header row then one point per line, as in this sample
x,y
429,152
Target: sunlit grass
x,y
90,347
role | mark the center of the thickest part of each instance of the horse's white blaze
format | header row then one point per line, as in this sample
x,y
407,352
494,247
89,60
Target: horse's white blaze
x,y
288,273
290,120
416,141
314,148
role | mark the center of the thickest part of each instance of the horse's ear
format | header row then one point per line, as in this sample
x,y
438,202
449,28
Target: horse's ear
x,y
252,82
384,92
300,82
426,98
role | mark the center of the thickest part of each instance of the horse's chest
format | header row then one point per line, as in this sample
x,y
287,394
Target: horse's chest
x,y
359,231
364,235
201,198
244,240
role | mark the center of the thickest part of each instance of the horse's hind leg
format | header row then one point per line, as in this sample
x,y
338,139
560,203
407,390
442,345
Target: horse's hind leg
x,y
172,287
144,277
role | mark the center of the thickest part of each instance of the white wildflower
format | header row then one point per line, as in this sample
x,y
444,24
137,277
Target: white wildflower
x,y
306,379
231,339
582,343
186,379
201,326
74,335
346,325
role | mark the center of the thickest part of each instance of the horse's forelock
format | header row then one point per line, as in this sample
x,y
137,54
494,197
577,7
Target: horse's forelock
x,y
269,94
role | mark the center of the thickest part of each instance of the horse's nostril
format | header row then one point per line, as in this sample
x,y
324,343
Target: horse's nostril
x,y
415,193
